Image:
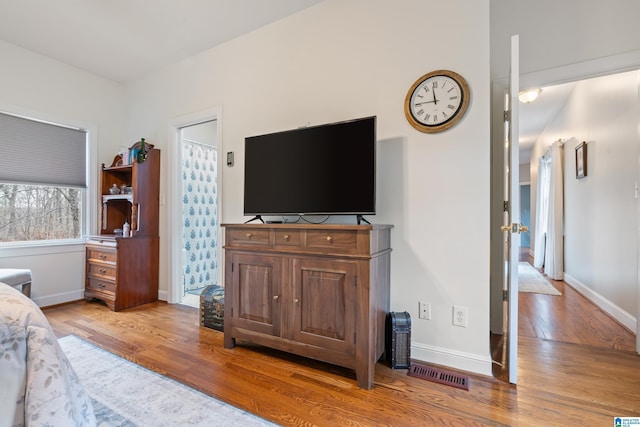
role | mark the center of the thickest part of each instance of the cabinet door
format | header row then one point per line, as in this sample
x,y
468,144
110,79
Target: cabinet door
x,y
324,303
257,283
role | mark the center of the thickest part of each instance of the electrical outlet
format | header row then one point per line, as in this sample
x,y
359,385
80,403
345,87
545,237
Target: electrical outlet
x,y
424,310
460,315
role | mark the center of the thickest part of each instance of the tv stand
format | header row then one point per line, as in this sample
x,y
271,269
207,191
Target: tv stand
x,y
316,290
361,218
259,217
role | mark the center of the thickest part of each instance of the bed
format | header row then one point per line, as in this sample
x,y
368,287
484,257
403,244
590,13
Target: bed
x,y
38,386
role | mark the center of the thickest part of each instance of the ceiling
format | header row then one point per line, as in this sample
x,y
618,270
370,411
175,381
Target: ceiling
x,y
535,116
125,39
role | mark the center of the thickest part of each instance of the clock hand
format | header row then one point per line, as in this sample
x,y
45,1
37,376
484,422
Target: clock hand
x,y
425,102
433,90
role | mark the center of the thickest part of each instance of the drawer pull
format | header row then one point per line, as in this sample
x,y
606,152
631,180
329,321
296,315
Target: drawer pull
x,y
249,235
286,237
102,256
275,297
296,300
102,271
329,238
102,285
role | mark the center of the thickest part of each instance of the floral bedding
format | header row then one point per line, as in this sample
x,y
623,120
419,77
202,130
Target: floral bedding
x,y
38,386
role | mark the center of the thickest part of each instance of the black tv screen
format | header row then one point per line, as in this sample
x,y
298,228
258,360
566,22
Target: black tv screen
x,y
326,169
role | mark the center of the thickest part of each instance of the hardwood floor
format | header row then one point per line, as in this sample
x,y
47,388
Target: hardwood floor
x,y
572,371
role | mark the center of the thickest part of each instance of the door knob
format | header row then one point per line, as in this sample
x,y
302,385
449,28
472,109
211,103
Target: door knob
x,y
515,228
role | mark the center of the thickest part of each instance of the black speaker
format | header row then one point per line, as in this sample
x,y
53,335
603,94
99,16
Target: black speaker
x,y
398,340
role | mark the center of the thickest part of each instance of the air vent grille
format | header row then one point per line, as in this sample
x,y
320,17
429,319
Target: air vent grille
x,y
439,376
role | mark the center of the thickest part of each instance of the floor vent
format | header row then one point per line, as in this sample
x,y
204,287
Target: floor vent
x,y
439,376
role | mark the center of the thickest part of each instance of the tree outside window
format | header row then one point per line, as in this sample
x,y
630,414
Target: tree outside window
x,y
35,212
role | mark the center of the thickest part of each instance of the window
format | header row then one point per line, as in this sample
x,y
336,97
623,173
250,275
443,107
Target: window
x,y
38,212
42,180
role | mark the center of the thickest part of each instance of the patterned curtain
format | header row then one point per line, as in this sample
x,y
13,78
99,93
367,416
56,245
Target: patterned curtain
x,y
199,215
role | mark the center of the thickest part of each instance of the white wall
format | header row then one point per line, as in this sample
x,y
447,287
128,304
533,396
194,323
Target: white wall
x,y
39,87
347,59
600,210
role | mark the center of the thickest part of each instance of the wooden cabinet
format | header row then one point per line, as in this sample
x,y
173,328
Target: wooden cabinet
x,y
320,291
122,270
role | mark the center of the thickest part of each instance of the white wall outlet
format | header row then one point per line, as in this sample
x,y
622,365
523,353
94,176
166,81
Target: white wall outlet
x,y
424,310
460,315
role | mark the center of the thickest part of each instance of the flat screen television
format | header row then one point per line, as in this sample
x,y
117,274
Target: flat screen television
x,y
319,170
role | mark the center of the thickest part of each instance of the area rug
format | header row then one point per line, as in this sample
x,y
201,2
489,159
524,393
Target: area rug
x,y
530,280
127,395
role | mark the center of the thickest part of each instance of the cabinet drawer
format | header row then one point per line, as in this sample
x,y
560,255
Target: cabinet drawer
x,y
287,238
101,254
247,236
109,271
343,241
101,285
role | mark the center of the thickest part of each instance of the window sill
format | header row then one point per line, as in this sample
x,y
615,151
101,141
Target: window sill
x,y
44,247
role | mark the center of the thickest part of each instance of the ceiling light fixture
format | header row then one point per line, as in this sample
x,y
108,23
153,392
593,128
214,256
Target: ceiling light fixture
x,y
528,96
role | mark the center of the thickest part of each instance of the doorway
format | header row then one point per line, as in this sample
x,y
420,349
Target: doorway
x,y
199,222
195,200
599,227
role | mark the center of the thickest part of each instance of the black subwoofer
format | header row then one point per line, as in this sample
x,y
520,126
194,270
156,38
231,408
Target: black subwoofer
x,y
398,340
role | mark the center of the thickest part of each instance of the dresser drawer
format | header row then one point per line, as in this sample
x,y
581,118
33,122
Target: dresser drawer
x,y
101,254
287,238
247,236
342,241
95,269
101,285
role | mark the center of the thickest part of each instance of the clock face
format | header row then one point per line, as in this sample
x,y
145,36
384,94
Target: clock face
x,y
436,101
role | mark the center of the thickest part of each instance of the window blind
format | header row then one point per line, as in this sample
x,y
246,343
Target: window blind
x,y
33,152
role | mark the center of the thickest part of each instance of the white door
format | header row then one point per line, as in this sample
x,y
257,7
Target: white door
x,y
512,226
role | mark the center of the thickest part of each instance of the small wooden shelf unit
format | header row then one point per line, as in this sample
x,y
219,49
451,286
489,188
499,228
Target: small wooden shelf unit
x,y
319,291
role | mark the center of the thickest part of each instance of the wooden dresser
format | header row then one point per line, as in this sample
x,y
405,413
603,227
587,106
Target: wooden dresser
x,y
319,291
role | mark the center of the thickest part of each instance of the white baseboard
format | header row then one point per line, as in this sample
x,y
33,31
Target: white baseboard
x,y
61,298
452,358
613,310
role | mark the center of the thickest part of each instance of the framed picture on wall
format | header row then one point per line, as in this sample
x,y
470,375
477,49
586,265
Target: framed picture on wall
x,y
581,160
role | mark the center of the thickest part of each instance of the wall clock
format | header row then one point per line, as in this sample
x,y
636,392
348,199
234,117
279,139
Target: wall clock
x,y
437,101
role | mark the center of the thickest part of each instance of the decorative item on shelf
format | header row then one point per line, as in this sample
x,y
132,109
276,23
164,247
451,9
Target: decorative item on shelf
x,y
142,154
123,189
126,229
114,189
139,151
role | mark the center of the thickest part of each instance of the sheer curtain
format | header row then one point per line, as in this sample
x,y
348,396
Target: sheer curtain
x,y
548,250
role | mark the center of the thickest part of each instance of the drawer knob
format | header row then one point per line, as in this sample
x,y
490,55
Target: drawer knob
x,y
249,235
275,297
286,237
329,238
296,300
